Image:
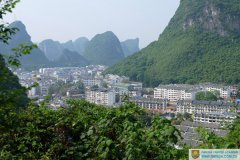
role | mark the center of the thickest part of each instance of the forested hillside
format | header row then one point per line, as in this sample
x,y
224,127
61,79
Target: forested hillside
x,y
200,44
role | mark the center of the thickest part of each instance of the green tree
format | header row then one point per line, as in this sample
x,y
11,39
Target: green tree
x,y
206,96
88,131
80,86
238,92
94,87
11,92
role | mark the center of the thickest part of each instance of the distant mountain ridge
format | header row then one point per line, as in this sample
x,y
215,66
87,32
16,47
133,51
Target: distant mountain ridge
x,y
104,49
34,60
54,49
130,46
200,44
71,59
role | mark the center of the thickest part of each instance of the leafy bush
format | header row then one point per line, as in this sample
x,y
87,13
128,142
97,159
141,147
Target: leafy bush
x,y
87,131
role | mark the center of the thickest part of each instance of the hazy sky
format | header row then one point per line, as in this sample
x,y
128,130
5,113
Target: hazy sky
x,y
65,20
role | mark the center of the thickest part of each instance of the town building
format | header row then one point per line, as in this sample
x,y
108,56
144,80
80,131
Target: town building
x,y
91,82
192,138
101,96
224,91
215,117
175,92
202,106
131,89
151,104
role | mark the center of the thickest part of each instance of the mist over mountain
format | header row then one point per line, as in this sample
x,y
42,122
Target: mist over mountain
x,y
130,46
52,49
71,59
200,44
33,60
81,44
104,49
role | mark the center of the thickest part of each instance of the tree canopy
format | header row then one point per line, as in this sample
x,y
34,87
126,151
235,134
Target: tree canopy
x,y
206,96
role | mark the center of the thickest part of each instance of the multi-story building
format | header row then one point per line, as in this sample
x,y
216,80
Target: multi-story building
x,y
131,89
192,138
175,92
44,90
102,97
202,106
215,117
208,111
151,104
91,82
115,79
224,91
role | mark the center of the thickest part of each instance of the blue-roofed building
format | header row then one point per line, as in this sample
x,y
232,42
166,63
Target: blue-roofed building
x,y
237,102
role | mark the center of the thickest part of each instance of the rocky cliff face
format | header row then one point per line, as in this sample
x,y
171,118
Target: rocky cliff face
x,y
213,16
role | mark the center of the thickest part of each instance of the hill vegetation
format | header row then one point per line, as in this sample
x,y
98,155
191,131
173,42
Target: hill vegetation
x,y
84,130
200,44
71,59
104,49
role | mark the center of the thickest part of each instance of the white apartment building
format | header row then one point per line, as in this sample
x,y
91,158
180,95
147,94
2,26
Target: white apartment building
x,y
151,104
92,82
225,91
44,90
102,97
215,117
175,92
199,107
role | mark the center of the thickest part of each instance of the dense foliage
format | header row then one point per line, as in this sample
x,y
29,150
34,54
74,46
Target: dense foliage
x,y
196,46
230,141
206,96
87,131
60,88
11,92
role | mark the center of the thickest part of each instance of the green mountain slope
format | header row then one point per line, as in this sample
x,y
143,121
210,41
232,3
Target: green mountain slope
x,y
71,59
200,44
104,49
